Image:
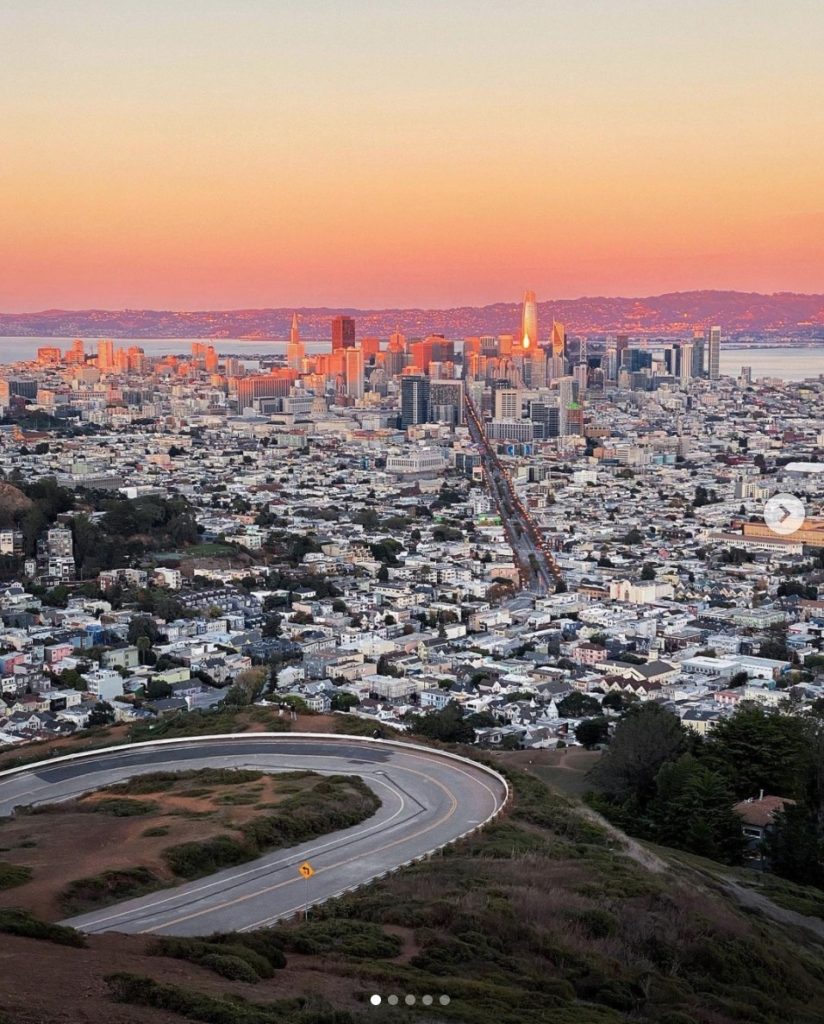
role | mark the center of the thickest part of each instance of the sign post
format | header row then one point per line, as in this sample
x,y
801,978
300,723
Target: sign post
x,y
307,871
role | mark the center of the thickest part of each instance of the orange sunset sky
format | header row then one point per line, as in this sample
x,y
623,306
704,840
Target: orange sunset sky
x,y
236,153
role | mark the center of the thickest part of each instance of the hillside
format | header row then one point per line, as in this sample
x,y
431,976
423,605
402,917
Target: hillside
x,y
547,915
795,314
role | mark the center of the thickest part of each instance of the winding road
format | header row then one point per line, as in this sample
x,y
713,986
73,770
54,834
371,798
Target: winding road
x,y
428,800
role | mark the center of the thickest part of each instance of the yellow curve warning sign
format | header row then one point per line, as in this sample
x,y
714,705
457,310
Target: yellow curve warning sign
x,y
306,869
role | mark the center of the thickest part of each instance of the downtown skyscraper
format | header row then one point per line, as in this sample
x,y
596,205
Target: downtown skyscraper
x,y
714,353
343,332
529,321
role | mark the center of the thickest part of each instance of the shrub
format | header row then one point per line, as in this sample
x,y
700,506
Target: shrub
x,y
120,808
95,891
20,922
195,859
232,967
13,874
141,991
230,947
359,939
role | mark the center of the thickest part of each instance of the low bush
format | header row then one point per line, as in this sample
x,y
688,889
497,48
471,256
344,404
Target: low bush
x,y
260,961
84,894
358,939
137,990
13,874
20,922
119,807
195,859
157,782
232,967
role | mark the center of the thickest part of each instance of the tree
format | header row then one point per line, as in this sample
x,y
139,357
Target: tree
x,y
692,810
387,667
759,749
142,626
646,738
157,689
794,845
343,701
57,597
247,687
448,725
617,701
592,731
648,571
702,496
271,626
101,714
578,705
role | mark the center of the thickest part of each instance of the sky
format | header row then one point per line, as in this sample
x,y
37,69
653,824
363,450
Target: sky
x,y
376,153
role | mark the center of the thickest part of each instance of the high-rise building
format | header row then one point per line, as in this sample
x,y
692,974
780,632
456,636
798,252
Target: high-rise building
x,y
565,400
77,353
209,359
697,354
271,385
49,356
414,399
105,354
343,332
353,364
370,348
714,353
529,322
538,367
446,401
687,362
508,404
558,339
295,352
610,361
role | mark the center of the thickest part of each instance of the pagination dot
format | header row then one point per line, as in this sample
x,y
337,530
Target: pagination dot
x,y
427,1000
392,1000
409,1000
443,1000
375,1000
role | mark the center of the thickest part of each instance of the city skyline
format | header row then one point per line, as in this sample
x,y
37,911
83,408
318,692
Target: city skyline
x,y
277,154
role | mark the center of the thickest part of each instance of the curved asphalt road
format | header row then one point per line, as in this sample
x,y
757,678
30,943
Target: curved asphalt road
x,y
427,801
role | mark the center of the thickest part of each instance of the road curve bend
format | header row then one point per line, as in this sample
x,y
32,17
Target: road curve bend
x,y
428,798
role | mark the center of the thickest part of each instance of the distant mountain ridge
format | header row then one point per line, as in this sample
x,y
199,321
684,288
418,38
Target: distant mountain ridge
x,y
782,313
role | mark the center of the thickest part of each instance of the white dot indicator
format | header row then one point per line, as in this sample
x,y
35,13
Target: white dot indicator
x,y
427,1000
409,1000
392,1000
443,1000
375,1000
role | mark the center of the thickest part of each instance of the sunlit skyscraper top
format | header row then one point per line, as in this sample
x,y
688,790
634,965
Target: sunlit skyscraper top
x,y
529,321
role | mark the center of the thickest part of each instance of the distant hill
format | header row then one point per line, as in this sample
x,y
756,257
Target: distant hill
x,y
784,314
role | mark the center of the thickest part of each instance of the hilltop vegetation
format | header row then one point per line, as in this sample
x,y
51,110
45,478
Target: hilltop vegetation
x,y
546,916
